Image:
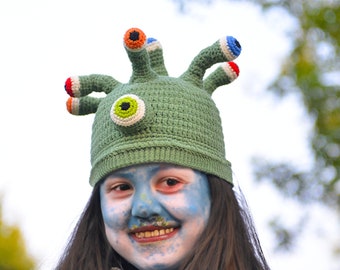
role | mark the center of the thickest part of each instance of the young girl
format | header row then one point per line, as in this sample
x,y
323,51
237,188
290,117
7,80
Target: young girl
x,y
163,195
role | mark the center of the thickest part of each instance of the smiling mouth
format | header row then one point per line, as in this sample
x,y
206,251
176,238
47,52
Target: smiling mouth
x,y
155,233
146,235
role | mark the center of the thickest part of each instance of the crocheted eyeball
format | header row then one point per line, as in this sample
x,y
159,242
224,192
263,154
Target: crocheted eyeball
x,y
127,110
230,47
134,39
72,86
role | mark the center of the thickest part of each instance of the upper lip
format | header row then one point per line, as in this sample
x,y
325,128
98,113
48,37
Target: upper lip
x,y
152,227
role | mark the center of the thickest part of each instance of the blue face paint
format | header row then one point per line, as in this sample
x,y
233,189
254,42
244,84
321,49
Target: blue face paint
x,y
154,213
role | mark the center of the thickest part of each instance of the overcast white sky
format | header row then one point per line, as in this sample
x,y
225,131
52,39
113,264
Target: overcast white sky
x,y
44,151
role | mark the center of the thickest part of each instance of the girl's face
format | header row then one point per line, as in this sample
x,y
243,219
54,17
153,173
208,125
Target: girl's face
x,y
154,213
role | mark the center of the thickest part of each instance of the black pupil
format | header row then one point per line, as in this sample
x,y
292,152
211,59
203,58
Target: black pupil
x,y
171,182
125,106
238,44
124,187
134,35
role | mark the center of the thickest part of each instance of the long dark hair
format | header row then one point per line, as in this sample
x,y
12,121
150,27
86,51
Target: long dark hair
x,y
229,241
88,248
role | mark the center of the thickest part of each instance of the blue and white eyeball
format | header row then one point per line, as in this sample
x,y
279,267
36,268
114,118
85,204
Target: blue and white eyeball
x,y
127,110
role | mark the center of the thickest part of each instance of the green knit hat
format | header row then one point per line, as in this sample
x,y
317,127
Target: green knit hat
x,y
154,117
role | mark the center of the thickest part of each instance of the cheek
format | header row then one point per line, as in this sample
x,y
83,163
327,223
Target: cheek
x,y
115,215
192,203
204,200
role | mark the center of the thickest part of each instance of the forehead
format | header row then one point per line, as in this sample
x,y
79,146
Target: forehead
x,y
148,167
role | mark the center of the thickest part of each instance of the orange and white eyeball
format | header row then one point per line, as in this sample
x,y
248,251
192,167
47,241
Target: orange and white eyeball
x,y
134,39
127,110
72,105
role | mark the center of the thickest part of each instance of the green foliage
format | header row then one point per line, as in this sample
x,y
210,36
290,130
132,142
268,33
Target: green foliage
x,y
312,72
13,254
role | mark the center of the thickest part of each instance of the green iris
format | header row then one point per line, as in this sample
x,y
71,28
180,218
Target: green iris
x,y
127,110
126,107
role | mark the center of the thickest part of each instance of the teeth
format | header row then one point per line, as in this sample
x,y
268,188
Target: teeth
x,y
154,233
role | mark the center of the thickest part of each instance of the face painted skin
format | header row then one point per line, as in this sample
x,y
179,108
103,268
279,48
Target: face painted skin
x,y
154,213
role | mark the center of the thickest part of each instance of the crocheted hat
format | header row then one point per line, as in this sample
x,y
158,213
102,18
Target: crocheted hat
x,y
155,117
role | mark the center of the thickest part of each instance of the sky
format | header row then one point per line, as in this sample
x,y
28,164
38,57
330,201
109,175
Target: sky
x,y
45,152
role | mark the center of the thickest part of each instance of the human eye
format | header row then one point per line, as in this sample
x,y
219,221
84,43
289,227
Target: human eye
x,y
119,189
171,182
169,185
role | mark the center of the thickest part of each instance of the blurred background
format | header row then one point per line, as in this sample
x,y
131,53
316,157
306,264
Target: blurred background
x,y
281,117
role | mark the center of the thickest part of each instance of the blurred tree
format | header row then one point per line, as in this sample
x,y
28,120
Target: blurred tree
x,y
311,71
13,254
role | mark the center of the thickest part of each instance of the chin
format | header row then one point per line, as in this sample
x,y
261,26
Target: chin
x,y
156,266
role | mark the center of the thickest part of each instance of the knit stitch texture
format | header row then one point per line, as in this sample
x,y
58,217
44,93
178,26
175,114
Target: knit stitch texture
x,y
155,118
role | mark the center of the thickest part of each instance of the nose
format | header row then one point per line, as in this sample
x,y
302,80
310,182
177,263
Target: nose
x,y
145,205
